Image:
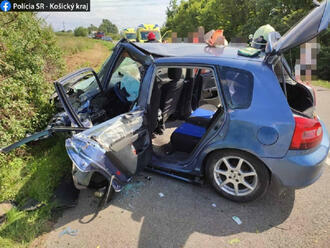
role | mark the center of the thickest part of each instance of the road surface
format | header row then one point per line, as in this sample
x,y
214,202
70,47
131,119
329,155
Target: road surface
x,y
185,217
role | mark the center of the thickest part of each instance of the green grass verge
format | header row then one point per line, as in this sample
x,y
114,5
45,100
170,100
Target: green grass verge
x,y
34,171
33,175
322,83
71,45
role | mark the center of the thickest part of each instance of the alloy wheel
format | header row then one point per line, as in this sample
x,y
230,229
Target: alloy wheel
x,y
235,176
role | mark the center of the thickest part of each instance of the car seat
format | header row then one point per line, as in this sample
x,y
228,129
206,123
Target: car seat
x,y
171,93
188,134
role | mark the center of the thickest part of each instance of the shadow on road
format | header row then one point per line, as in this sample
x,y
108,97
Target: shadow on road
x,y
184,210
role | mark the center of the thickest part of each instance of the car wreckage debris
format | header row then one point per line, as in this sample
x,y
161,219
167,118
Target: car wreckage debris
x,y
69,231
31,205
237,220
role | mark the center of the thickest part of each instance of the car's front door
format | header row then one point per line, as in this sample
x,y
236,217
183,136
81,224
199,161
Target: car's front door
x,y
120,146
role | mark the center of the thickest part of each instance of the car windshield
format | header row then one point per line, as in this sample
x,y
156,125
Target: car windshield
x,y
131,36
128,76
144,35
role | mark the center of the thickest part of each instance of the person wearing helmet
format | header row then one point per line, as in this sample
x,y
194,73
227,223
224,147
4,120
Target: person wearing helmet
x,y
260,37
152,38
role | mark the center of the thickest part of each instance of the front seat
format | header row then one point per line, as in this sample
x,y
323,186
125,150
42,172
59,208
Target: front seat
x,y
171,93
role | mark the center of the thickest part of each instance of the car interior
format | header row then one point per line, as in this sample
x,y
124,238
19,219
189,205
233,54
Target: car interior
x,y
299,97
183,103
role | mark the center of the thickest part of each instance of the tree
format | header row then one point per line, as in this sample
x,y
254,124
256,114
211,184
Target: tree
x,y
108,27
91,28
239,18
80,31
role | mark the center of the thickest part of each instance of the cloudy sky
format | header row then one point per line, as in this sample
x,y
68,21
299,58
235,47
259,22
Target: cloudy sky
x,y
123,13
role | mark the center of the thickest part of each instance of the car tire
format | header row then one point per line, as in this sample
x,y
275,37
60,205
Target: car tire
x,y
237,175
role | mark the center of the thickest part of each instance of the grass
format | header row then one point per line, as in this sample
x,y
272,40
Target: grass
x,y
71,45
33,175
322,83
34,171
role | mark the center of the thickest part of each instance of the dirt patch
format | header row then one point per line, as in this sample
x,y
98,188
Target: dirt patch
x,y
89,58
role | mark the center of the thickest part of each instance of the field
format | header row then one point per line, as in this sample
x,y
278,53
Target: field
x,y
34,171
322,83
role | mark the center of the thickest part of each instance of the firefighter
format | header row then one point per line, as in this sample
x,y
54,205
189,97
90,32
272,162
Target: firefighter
x,y
152,38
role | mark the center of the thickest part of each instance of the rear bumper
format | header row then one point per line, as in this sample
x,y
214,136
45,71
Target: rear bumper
x,y
299,169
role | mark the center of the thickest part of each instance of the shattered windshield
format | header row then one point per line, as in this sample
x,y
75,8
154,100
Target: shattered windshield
x,y
127,75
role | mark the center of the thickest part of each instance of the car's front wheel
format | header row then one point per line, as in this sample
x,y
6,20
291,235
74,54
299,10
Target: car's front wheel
x,y
236,175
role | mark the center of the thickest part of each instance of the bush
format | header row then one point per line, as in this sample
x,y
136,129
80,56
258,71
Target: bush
x,y
81,31
28,61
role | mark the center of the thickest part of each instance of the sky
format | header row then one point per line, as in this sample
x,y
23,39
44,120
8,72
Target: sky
x,y
123,13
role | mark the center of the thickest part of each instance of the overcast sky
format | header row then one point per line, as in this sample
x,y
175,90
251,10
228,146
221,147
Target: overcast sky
x,y
123,13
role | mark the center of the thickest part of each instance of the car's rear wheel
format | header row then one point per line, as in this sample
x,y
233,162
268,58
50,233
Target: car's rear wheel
x,y
236,175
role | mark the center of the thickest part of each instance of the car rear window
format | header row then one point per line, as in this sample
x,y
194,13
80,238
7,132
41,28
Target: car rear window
x,y
237,86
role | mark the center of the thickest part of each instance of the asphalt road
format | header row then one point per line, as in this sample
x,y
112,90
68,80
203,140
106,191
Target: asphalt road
x,y
185,217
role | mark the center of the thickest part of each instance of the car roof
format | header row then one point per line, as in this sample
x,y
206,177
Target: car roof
x,y
194,50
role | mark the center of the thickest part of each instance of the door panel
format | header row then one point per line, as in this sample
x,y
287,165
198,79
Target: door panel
x,y
132,153
124,142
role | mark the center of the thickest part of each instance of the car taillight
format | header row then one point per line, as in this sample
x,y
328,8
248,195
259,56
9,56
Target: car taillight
x,y
307,133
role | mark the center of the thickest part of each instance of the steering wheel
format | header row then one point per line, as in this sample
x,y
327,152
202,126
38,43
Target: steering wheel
x,y
120,93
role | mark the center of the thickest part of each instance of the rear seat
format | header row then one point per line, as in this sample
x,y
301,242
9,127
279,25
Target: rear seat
x,y
202,115
188,134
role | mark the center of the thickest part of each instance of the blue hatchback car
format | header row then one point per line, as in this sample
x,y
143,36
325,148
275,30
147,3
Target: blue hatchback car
x,y
191,112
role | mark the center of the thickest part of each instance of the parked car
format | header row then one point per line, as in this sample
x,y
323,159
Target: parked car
x,y
99,35
191,112
106,38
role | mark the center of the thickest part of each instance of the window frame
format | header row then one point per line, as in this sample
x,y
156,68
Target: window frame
x,y
211,67
221,70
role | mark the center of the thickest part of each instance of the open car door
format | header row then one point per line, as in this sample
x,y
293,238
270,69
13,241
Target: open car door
x,y
308,28
87,79
121,146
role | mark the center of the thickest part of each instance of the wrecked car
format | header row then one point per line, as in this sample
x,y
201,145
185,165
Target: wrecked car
x,y
191,112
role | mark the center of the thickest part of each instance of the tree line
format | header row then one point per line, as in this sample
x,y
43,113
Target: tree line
x,y
106,26
239,18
